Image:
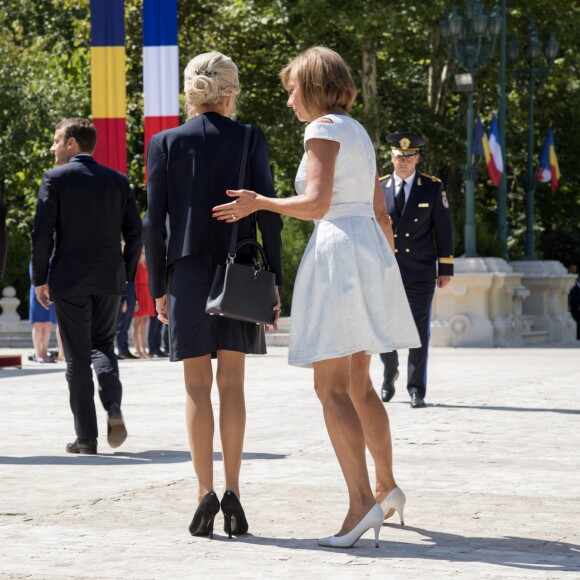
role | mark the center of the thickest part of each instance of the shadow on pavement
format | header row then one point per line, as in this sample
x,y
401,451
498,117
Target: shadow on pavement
x,y
510,551
524,409
144,458
40,370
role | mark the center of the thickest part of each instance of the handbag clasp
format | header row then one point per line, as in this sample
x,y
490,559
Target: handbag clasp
x,y
231,258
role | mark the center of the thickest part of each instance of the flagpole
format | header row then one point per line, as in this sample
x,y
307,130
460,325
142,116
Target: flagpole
x,y
530,241
502,189
470,237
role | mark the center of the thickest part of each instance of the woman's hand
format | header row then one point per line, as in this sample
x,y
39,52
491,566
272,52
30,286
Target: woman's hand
x,y
161,307
247,203
277,308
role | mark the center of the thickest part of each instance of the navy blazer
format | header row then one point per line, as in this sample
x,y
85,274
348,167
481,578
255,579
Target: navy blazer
x,y
189,170
424,233
88,206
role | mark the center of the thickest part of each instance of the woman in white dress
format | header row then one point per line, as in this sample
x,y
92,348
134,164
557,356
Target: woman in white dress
x,y
349,301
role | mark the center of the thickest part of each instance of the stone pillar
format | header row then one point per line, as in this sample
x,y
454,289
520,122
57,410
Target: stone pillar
x,y
547,307
480,307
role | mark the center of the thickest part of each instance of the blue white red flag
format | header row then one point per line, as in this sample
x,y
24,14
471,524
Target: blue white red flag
x,y
160,67
493,153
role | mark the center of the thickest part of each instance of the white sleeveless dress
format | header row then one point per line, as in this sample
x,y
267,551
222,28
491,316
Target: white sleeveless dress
x,y
348,294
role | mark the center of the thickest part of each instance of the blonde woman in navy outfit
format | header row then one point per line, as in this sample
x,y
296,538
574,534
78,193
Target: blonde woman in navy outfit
x,y
190,168
349,301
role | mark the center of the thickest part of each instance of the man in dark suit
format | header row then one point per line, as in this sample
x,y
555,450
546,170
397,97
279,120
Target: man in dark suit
x,y
423,234
87,207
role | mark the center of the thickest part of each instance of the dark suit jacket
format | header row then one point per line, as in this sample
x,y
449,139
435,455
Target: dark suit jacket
x,y
424,233
88,206
190,168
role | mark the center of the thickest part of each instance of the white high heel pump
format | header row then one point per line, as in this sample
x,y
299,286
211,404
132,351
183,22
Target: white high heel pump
x,y
395,501
373,519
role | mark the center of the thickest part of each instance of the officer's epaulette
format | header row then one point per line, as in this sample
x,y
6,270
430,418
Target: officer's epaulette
x,y
432,177
385,177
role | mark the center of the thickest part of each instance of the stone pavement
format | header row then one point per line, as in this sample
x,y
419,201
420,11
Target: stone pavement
x,y
490,469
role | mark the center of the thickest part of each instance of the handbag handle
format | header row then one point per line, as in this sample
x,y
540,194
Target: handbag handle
x,y
241,176
256,245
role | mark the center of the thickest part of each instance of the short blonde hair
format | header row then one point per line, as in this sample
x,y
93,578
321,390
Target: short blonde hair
x,y
323,77
208,78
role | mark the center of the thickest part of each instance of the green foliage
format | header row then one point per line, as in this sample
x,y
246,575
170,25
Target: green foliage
x,y
43,67
45,76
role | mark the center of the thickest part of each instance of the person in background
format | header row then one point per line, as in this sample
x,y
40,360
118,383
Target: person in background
x,y
42,321
423,234
144,308
574,299
125,319
154,337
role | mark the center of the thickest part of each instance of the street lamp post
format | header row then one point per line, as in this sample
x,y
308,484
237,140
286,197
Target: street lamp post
x,y
534,74
471,40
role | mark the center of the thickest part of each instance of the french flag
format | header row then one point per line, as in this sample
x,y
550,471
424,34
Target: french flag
x,y
160,67
493,153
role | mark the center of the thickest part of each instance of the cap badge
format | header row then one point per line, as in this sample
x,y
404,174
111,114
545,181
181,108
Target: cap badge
x,y
404,143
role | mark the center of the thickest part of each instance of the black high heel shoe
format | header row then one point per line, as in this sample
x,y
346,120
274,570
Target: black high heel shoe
x,y
235,522
202,523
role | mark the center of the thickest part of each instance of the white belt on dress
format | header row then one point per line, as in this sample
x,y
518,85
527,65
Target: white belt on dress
x,y
344,210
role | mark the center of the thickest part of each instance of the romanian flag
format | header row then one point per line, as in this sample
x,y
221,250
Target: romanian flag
x,y
549,169
493,153
108,82
160,67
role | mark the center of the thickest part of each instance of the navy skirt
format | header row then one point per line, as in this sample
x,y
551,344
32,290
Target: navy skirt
x,y
194,333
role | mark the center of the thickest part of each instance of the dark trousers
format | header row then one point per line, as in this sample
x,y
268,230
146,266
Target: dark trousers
x,y
125,319
154,335
87,326
420,296
165,337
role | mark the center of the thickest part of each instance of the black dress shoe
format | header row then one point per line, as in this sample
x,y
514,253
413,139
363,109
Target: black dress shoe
x,y
82,447
159,354
388,390
116,431
417,402
126,355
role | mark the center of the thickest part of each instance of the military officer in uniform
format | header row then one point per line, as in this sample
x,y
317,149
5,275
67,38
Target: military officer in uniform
x,y
423,234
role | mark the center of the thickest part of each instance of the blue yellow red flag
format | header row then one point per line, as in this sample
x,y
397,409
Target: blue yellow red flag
x,y
549,170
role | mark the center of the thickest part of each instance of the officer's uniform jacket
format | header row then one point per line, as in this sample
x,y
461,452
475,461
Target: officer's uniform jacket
x,y
424,233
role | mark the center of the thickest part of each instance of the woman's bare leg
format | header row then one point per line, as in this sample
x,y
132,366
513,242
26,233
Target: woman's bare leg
x,y
46,330
39,340
198,377
135,334
230,382
331,381
375,422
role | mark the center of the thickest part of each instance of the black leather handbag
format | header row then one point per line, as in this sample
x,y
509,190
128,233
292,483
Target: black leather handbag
x,y
243,291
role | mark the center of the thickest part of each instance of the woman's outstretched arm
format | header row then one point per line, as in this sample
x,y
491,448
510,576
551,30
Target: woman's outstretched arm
x,y
320,162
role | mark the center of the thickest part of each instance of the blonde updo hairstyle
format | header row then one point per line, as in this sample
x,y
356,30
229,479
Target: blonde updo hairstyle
x,y
209,78
324,80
